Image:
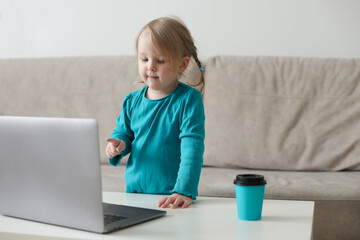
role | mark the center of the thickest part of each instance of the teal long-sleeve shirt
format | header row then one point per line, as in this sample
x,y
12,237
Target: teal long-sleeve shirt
x,y
165,139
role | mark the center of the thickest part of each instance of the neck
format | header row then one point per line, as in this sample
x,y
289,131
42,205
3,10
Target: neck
x,y
153,94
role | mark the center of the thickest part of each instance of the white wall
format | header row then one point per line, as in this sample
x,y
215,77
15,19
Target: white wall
x,y
46,28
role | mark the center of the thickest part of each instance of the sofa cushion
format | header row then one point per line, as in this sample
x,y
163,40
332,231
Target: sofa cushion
x,y
282,113
289,185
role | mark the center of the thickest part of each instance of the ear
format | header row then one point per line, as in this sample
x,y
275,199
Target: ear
x,y
184,64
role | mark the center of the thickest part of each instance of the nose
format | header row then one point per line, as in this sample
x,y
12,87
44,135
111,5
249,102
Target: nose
x,y
152,66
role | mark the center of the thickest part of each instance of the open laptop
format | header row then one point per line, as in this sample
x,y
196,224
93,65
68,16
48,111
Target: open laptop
x,y
50,173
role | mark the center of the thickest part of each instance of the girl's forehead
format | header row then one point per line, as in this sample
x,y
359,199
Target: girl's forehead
x,y
146,45
145,36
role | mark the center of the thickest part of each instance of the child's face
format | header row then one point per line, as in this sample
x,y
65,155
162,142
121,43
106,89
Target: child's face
x,y
155,70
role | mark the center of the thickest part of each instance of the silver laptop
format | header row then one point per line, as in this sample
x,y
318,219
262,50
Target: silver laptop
x,y
50,173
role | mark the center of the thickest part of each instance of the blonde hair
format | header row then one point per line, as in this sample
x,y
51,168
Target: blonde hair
x,y
172,38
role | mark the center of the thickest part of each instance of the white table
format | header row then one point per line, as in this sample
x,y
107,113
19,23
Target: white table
x,y
208,218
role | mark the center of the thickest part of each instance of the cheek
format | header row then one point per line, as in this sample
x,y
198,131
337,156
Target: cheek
x,y
164,71
141,69
168,75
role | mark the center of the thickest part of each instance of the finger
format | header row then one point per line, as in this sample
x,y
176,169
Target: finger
x,y
162,201
113,141
111,149
121,146
109,154
169,201
187,203
177,203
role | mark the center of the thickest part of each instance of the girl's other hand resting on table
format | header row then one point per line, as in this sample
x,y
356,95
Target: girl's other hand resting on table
x,y
175,200
115,147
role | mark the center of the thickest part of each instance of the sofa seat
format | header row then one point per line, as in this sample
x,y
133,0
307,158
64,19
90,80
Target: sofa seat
x,y
113,178
289,185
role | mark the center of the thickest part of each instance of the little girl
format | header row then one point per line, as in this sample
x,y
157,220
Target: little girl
x,y
162,124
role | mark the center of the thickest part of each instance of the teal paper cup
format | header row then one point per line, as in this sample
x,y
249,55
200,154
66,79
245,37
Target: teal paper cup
x,y
249,189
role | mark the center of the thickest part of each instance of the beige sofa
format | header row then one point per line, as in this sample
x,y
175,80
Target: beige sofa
x,y
294,120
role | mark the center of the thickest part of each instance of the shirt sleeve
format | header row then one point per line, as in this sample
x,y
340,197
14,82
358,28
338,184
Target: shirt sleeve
x,y
192,135
123,131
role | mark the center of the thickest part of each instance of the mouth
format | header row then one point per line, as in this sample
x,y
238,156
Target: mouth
x,y
152,77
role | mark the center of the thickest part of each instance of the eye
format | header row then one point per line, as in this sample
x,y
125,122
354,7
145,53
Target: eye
x,y
161,61
144,59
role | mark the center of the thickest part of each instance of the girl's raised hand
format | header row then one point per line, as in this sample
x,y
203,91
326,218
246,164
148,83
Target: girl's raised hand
x,y
175,200
115,147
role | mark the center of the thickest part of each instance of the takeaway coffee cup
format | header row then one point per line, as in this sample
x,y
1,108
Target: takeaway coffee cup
x,y
249,189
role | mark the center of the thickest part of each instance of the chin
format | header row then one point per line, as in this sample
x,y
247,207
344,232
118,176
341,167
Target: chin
x,y
152,82
151,85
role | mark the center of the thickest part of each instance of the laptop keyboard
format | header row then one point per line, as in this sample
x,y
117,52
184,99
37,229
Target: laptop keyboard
x,y
112,218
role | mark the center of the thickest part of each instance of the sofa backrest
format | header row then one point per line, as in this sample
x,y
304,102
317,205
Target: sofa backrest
x,y
76,87
261,112
282,113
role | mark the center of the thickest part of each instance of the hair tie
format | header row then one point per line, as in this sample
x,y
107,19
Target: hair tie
x,y
201,69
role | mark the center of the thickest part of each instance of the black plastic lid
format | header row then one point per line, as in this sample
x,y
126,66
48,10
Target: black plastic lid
x,y
249,180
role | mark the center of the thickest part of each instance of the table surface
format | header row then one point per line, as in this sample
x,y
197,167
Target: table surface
x,y
207,218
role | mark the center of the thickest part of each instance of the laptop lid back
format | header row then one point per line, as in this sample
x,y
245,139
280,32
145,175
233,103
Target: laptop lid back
x,y
50,171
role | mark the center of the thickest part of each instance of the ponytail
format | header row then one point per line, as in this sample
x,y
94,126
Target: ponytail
x,y
202,73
